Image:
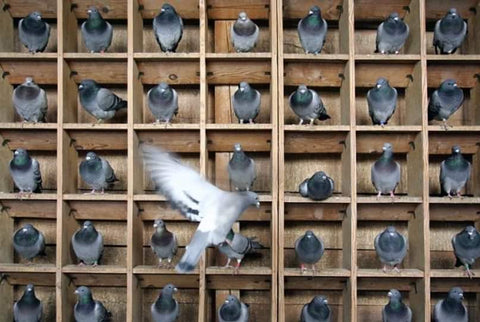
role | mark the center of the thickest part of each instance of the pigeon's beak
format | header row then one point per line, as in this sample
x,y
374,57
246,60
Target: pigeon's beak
x,y
470,234
257,204
310,12
389,294
162,10
455,85
39,17
461,296
80,86
325,301
396,18
88,158
378,85
89,11
242,89
76,292
155,225
454,14
384,149
175,289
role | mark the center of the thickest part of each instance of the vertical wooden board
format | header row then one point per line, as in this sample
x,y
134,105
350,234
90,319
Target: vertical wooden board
x,y
6,24
6,90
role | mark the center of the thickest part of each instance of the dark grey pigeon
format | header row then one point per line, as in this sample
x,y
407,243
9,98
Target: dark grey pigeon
x,y
25,172
165,308
317,310
87,309
100,102
318,187
391,35
97,172
163,242
28,242
391,248
30,101
87,244
386,172
445,101
396,310
308,250
232,310
163,102
97,33
236,246
244,33
466,246
451,309
29,308
307,105
168,28
312,30
246,103
34,32
382,102
449,33
454,172
241,169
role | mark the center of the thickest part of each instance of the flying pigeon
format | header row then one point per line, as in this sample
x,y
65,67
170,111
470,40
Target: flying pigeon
x,y
391,248
29,308
232,310
308,250
318,187
449,33
396,310
163,242
236,246
87,309
97,33
87,244
28,242
312,30
246,103
165,308
382,102
454,172
391,35
244,33
307,105
97,172
25,172
168,28
445,101
316,311
34,32
30,101
241,169
386,172
451,308
466,246
163,102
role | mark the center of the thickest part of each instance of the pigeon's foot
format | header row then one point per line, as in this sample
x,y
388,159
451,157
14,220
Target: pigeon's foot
x,y
21,194
99,121
237,267
103,191
449,195
303,268
445,125
382,125
90,193
468,273
227,265
314,270
95,264
459,195
228,242
392,195
311,121
81,263
102,51
29,262
384,268
396,52
379,194
301,122
251,121
240,121
157,122
396,269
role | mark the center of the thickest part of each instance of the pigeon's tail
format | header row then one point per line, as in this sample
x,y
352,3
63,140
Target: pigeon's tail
x,y
254,245
193,253
303,188
324,117
458,263
120,105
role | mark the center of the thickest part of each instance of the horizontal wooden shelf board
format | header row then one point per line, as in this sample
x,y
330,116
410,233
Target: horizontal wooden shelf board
x,y
239,127
153,270
28,56
387,199
23,268
316,128
163,127
453,273
28,125
234,56
95,196
328,272
238,282
212,270
386,58
404,272
456,200
158,197
388,128
319,57
290,197
466,57
33,196
99,269
165,56
453,129
94,126
96,56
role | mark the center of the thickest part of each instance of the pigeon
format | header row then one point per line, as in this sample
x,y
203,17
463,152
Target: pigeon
x,y
98,101
97,172
165,308
445,101
232,310
236,246
318,187
198,200
163,102
308,250
396,310
97,33
244,33
87,309
316,311
30,101
168,28
241,169
25,172
163,242
312,30
307,105
391,35
454,172
34,32
246,103
466,246
449,33
451,308
87,243
391,248
382,102
29,308
386,172
28,242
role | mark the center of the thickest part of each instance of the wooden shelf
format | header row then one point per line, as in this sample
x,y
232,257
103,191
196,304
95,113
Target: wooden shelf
x,y
23,125
332,272
152,270
95,196
404,272
453,273
33,196
393,58
297,198
99,269
33,268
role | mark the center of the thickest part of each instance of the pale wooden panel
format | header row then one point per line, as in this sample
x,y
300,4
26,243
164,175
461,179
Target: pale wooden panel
x,y
187,9
21,8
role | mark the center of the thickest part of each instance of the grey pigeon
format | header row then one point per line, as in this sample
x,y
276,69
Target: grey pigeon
x,y
307,105
97,33
87,309
386,172
316,311
100,102
87,244
466,246
163,102
236,246
168,28
244,33
163,242
34,32
445,101
449,33
382,102
391,35
391,248
165,308
396,310
454,172
28,242
246,103
232,310
197,200
25,172
312,30
308,250
30,101
29,308
451,309
97,172
241,169
318,187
